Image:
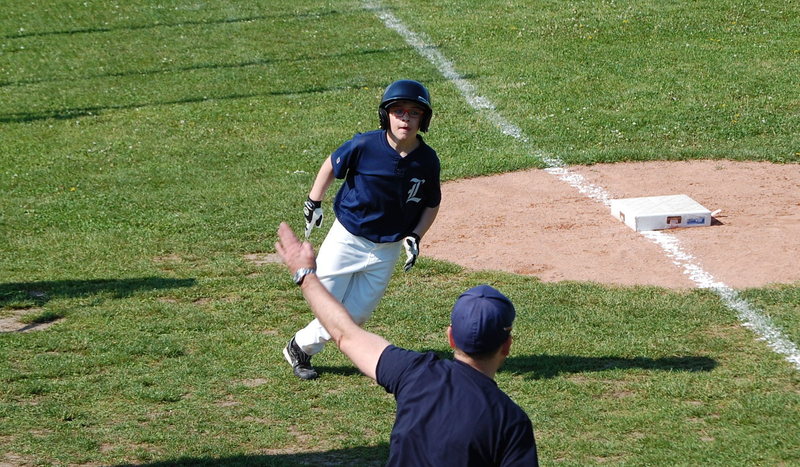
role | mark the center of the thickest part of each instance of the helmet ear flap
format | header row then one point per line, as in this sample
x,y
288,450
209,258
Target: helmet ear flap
x,y
383,117
425,122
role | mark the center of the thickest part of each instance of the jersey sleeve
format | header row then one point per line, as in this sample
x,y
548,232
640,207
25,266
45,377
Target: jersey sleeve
x,y
521,446
392,365
343,157
434,195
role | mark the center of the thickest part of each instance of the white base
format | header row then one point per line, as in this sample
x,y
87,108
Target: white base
x,y
660,212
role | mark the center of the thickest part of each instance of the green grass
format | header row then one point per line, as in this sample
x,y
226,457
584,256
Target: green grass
x,y
147,147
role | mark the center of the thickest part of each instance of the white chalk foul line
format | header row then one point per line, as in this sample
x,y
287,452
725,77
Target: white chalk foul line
x,y
750,316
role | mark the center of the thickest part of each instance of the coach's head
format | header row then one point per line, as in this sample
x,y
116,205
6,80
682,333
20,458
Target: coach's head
x,y
480,325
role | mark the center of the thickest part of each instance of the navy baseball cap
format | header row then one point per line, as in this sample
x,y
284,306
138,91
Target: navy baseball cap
x,y
482,318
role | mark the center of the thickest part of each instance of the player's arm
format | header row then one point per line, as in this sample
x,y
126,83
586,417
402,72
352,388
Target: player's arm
x,y
361,347
411,241
426,220
312,207
323,181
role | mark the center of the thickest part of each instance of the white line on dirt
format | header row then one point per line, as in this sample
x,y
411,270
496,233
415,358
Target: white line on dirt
x,y
749,316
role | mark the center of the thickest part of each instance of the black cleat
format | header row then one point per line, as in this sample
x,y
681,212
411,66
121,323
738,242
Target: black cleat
x,y
300,361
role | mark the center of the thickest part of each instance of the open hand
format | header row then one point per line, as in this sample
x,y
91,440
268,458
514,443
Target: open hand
x,y
293,253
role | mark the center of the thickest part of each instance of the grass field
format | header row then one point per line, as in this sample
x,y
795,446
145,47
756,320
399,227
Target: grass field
x,y
147,148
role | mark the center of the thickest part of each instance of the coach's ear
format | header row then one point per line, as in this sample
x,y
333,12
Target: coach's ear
x,y
506,347
450,337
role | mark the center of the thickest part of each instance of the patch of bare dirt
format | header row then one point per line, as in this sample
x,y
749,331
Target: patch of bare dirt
x,y
259,259
11,321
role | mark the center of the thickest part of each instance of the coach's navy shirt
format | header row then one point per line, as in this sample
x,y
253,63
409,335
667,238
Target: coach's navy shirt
x,y
449,414
384,194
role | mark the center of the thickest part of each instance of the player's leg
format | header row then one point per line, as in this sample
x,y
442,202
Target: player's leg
x,y
368,286
359,291
340,255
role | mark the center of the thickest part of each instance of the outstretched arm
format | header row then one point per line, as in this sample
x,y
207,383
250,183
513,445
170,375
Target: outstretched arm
x,y
361,347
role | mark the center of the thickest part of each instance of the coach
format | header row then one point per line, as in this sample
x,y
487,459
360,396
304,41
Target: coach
x,y
449,412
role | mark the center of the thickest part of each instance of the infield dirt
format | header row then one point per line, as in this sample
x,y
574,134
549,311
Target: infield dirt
x,y
533,223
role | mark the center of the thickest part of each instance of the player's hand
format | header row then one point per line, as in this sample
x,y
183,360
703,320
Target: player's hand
x,y
312,211
411,244
294,253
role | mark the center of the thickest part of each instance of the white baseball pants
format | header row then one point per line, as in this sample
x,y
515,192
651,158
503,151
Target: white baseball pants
x,y
356,271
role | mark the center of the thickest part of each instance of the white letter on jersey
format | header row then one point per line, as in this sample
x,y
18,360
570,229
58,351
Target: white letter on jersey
x,y
414,190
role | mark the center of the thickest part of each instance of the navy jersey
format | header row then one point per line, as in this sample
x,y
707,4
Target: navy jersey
x,y
384,194
450,414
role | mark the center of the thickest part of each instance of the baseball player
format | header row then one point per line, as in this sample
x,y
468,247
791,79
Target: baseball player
x,y
388,201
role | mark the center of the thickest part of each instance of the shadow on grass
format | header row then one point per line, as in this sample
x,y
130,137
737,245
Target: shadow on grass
x,y
78,112
177,24
358,456
93,111
37,293
188,68
549,366
337,370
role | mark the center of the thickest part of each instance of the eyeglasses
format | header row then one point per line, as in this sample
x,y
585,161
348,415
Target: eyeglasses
x,y
412,112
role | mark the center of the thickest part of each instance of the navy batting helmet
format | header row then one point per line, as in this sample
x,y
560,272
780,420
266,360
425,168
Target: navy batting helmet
x,y
405,90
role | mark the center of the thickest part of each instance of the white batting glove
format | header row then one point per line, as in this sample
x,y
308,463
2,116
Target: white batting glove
x,y
312,211
411,244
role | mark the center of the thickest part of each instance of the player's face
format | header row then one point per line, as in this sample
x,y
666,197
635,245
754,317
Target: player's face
x,y
404,119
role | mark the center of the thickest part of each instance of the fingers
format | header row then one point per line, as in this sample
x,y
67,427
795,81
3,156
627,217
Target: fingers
x,y
286,238
313,219
410,261
286,234
293,253
308,251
